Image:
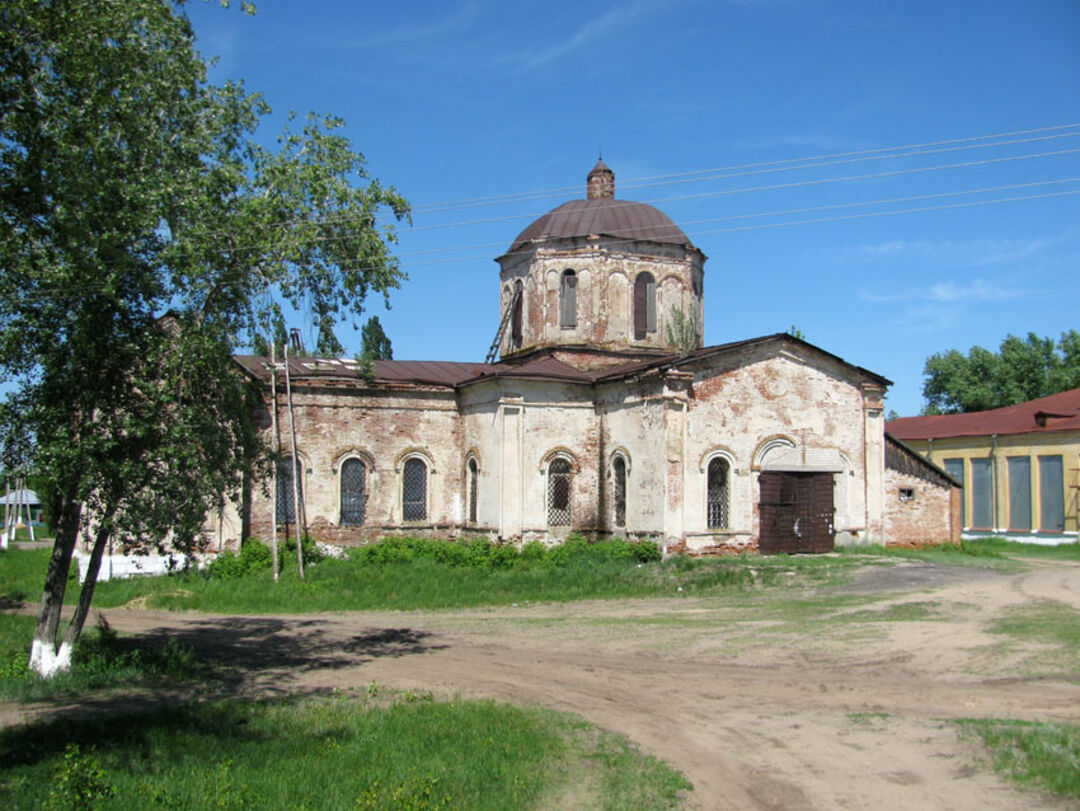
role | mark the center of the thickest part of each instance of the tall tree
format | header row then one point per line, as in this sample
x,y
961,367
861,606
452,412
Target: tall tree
x,y
375,343
1021,370
130,187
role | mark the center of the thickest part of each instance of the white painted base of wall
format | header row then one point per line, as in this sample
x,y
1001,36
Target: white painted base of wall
x,y
121,567
1034,538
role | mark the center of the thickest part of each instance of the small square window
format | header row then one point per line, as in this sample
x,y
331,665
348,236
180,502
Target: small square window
x,y
907,493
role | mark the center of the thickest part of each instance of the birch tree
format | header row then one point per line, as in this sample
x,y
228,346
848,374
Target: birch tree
x,y
146,233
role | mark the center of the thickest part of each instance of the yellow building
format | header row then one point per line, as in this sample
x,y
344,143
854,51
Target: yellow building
x,y
1020,465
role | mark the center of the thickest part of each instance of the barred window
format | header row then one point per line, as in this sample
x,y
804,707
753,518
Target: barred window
x,y
717,507
414,490
353,492
284,504
618,469
474,476
517,298
644,306
558,493
568,299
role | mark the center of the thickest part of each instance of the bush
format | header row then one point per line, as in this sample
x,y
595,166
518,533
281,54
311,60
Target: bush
x,y
255,556
479,553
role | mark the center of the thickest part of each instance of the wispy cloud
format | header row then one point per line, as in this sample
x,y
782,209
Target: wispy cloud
x,y
588,32
952,292
962,253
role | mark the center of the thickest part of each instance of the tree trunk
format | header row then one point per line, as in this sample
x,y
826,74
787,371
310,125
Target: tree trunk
x,y
86,595
43,653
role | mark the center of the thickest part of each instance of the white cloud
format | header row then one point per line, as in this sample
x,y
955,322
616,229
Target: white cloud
x,y
950,292
963,253
613,18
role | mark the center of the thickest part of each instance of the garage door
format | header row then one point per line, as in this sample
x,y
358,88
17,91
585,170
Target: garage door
x,y
796,512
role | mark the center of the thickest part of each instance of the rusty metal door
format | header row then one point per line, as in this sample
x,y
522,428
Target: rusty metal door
x,y
796,513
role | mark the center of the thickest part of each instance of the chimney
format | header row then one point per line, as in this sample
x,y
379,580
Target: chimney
x,y
601,182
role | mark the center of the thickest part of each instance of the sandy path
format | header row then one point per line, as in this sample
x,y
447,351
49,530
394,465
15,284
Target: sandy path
x,y
758,714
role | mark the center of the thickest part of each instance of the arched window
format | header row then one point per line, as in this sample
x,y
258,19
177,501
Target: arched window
x,y
353,492
644,306
284,504
515,316
568,299
414,490
474,486
718,498
618,471
558,493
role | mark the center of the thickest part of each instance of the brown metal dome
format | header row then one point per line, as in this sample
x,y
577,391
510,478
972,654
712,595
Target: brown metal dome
x,y
603,215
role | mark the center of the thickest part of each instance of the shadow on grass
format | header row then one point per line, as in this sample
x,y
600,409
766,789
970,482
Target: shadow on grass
x,y
252,644
132,725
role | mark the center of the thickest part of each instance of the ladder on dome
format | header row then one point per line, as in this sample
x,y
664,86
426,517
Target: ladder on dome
x,y
493,352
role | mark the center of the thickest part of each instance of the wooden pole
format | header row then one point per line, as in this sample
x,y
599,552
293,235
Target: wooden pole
x,y
295,469
277,453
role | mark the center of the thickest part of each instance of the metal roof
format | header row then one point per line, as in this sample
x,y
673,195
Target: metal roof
x,y
1057,412
603,216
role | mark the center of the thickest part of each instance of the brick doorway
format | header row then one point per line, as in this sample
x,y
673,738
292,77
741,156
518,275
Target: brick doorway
x,y
796,513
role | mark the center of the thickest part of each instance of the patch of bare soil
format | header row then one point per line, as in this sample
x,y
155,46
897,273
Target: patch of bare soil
x,y
761,706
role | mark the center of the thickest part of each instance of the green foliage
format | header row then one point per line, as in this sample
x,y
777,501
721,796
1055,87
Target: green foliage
x,y
1021,370
79,782
795,332
147,232
684,331
482,554
1041,756
384,752
255,556
376,345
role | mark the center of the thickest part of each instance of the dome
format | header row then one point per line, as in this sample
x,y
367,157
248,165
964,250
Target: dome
x,y
602,215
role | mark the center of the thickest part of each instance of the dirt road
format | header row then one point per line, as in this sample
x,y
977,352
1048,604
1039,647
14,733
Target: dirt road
x,y
797,702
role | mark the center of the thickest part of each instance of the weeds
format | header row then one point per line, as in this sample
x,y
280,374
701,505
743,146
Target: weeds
x,y
1034,755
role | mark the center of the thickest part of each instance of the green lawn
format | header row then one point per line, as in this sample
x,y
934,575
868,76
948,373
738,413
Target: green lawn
x,y
360,751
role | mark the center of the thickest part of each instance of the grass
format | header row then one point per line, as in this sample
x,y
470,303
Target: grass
x,y
343,752
102,661
364,581
1041,756
1046,636
978,554
998,546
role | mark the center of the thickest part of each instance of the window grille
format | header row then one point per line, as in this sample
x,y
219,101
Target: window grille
x,y
516,335
474,475
619,470
568,300
353,492
284,504
644,306
717,507
558,493
414,491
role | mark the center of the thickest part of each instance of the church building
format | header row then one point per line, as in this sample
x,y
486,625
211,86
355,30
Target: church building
x,y
598,411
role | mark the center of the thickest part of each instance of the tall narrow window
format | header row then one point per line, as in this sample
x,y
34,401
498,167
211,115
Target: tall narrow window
x,y
982,505
474,484
414,490
568,299
644,306
353,492
284,504
955,468
515,316
618,469
1019,492
1051,494
558,493
717,506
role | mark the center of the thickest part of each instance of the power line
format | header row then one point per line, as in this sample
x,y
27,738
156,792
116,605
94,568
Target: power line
x,y
635,182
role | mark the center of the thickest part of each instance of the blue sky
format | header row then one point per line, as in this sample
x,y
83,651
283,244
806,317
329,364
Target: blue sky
x,y
460,101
